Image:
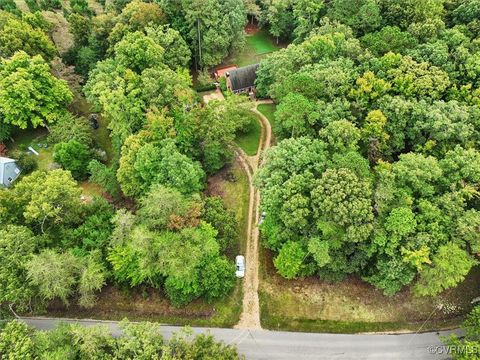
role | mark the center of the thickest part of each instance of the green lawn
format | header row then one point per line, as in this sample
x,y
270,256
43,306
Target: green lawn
x,y
257,46
249,140
261,42
268,110
33,137
103,139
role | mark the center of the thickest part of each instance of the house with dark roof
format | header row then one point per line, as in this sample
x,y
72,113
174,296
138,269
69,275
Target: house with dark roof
x,y
242,80
9,171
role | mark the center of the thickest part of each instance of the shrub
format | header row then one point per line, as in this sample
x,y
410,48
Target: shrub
x,y
36,20
223,84
80,7
204,81
86,58
105,177
50,4
25,161
73,156
10,6
32,5
217,277
5,132
222,219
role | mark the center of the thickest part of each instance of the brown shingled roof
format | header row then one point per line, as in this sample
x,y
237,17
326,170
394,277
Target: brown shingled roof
x,y
243,77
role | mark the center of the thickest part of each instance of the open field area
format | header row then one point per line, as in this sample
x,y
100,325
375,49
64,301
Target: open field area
x,y
139,304
352,306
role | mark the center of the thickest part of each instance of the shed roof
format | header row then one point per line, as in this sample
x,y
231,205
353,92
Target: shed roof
x,y
243,77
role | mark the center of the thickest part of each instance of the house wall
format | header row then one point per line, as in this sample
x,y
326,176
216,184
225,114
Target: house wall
x,y
10,173
245,90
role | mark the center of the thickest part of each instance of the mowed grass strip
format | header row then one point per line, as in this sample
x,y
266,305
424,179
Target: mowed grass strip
x,y
268,110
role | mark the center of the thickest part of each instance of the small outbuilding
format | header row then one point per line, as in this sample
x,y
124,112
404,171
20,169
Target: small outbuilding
x,y
9,171
242,80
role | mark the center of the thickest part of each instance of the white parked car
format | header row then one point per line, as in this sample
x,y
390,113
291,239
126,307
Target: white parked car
x,y
240,266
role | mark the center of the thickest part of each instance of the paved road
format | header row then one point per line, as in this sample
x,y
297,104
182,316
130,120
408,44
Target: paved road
x,y
278,345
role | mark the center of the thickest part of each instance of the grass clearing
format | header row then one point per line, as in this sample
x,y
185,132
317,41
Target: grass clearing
x,y
257,46
249,141
34,137
103,139
268,110
353,306
261,42
90,189
236,196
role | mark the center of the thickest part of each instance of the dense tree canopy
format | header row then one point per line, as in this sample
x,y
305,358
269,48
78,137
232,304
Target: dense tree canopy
x,y
19,35
378,126
169,245
213,28
29,94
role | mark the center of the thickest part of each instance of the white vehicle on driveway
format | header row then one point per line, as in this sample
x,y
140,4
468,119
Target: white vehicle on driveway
x,y
240,266
262,217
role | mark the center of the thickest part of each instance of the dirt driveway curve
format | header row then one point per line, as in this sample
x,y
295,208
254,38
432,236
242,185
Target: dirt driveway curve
x,y
250,318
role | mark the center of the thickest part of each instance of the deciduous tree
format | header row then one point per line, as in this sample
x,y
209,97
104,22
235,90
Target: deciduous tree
x,y
43,97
